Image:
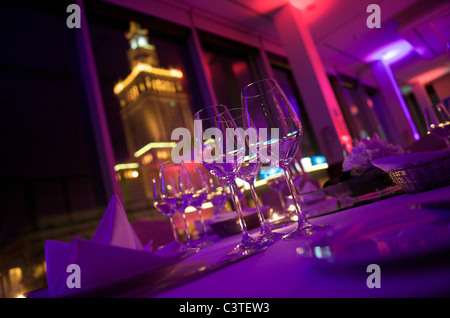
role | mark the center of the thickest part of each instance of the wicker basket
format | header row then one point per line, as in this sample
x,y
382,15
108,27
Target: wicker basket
x,y
374,180
423,178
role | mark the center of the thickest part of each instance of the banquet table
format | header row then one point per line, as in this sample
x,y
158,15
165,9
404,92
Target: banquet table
x,y
396,247
406,236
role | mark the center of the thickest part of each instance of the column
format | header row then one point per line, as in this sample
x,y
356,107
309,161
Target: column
x,y
312,81
200,68
264,60
93,99
395,103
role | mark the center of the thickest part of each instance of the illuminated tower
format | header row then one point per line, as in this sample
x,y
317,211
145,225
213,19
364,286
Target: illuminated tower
x,y
153,101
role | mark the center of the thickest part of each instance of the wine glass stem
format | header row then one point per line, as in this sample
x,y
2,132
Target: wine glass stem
x,y
237,204
186,229
294,194
174,228
262,221
202,220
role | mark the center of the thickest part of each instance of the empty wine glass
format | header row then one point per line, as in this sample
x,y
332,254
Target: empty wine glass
x,y
279,131
220,148
163,206
177,190
248,171
201,189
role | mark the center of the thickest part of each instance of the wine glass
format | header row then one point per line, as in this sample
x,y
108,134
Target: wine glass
x,y
201,189
247,172
279,131
220,147
177,190
163,207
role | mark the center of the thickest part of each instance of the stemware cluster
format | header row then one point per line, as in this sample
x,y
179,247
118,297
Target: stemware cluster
x,y
178,186
231,143
235,142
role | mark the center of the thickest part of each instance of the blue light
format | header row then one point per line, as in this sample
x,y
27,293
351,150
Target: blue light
x,y
264,173
316,160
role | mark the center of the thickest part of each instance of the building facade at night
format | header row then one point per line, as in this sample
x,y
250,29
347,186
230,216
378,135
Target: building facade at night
x,y
153,103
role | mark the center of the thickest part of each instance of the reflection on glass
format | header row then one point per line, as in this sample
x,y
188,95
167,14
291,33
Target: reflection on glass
x,y
162,206
200,195
177,190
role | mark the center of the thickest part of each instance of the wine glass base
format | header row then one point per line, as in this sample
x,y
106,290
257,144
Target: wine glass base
x,y
189,248
203,242
247,246
305,229
267,238
176,247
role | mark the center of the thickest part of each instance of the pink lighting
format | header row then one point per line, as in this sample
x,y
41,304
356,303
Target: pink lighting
x,y
346,140
390,53
431,75
301,4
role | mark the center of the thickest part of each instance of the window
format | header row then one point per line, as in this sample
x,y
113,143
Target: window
x,y
231,67
359,105
144,70
50,172
114,54
416,113
283,75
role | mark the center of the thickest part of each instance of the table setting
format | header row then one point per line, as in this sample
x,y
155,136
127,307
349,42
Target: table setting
x,y
388,208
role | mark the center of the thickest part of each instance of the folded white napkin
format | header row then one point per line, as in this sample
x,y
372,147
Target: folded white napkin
x,y
405,161
114,229
113,257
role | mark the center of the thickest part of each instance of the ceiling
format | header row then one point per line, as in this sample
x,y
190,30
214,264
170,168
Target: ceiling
x,y
343,39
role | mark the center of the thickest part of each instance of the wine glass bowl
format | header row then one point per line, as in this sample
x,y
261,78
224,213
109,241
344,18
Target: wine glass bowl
x,y
163,206
199,196
266,105
177,190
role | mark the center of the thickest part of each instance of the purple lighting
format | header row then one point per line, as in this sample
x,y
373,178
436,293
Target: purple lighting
x,y
390,53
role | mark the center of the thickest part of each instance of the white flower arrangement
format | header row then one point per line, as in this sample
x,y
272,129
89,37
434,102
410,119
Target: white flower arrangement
x,y
365,150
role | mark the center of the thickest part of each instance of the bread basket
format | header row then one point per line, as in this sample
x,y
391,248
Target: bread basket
x,y
418,172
